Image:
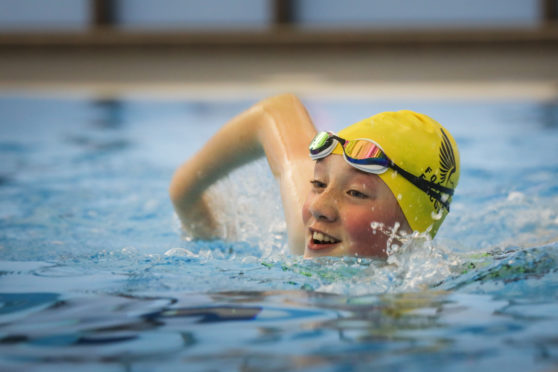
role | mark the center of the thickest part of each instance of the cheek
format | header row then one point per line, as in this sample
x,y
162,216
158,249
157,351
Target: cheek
x,y
361,237
306,210
358,220
357,224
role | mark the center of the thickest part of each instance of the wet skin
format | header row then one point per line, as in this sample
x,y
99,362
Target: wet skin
x,y
341,205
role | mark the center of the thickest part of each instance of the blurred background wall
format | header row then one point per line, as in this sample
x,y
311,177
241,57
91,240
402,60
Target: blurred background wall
x,y
265,46
259,14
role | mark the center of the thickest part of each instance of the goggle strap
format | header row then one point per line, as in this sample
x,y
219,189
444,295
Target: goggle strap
x,y
437,196
430,188
421,182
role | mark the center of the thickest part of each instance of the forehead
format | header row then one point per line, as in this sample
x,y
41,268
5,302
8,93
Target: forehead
x,y
335,167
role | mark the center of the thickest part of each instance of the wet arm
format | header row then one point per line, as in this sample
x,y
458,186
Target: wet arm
x,y
278,127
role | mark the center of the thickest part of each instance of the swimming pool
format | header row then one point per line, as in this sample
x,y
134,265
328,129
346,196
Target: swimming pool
x,y
97,275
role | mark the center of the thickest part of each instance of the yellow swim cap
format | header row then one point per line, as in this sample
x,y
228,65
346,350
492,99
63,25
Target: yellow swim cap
x,y
419,145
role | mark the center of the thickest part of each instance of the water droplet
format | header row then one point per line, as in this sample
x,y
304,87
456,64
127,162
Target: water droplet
x,y
399,196
129,250
516,196
437,216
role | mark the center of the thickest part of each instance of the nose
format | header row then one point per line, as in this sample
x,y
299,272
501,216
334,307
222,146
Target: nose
x,y
323,207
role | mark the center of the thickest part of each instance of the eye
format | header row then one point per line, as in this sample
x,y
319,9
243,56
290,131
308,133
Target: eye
x,y
357,194
318,184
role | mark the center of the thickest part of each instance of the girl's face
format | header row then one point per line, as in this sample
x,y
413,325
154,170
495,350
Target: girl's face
x,y
340,208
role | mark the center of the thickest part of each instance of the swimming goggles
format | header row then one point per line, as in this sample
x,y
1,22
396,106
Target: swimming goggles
x,y
367,156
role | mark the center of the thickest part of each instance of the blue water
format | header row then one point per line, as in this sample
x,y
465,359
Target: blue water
x,y
96,274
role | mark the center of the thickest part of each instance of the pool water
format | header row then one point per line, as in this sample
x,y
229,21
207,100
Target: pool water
x,y
96,274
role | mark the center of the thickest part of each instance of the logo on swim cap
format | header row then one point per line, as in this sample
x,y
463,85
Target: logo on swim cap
x,y
448,167
447,161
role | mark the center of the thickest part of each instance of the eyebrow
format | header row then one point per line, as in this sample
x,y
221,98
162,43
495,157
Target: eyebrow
x,y
372,178
358,171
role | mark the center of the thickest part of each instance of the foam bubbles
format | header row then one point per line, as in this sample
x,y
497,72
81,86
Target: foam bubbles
x,y
179,252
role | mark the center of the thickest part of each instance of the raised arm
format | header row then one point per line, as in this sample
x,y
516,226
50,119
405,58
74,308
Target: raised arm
x,y
278,127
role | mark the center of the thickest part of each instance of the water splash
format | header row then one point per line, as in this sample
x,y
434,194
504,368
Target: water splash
x,y
248,209
504,272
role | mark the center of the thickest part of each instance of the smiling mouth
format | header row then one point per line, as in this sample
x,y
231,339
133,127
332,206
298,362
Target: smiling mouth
x,y
319,238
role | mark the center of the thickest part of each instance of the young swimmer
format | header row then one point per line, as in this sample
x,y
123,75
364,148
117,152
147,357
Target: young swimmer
x,y
396,170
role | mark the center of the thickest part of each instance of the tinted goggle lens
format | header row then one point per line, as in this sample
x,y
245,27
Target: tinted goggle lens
x,y
363,149
321,142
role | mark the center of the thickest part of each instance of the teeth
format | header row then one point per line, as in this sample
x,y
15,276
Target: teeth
x,y
322,238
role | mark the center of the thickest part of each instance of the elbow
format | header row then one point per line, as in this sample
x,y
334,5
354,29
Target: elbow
x,y
175,194
177,188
